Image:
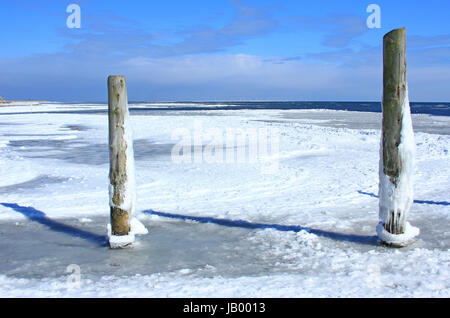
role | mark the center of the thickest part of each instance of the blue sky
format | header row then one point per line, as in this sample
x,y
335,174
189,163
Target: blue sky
x,y
219,50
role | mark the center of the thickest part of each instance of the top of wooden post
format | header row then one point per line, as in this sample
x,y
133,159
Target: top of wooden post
x,y
110,77
395,33
116,79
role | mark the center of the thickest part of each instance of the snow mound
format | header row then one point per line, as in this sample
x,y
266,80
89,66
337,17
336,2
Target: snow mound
x,y
287,249
137,227
121,241
397,239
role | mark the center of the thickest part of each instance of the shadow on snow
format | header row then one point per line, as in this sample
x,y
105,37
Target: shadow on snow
x,y
40,217
415,201
361,239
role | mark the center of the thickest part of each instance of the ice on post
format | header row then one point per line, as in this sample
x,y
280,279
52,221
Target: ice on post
x,y
397,151
122,194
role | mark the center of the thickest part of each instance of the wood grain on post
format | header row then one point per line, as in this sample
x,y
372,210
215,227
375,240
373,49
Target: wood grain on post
x,y
394,95
118,114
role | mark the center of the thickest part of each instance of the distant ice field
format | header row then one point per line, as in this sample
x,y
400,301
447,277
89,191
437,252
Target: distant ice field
x,y
429,108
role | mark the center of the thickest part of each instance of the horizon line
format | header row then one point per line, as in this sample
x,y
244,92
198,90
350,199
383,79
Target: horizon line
x,y
6,101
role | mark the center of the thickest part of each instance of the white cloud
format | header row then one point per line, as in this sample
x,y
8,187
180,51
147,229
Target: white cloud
x,y
252,77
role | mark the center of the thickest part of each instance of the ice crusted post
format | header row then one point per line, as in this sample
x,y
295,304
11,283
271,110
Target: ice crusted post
x,y
397,146
122,195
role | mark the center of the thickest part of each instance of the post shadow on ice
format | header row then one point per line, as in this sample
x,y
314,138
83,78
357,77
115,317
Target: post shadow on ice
x,y
445,203
38,216
353,238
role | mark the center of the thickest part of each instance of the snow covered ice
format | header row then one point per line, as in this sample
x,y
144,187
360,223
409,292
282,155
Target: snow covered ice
x,y
222,230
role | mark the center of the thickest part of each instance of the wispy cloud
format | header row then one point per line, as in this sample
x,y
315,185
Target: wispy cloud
x,y
249,21
213,77
195,77
107,34
422,51
430,56
339,29
351,58
429,50
428,41
111,34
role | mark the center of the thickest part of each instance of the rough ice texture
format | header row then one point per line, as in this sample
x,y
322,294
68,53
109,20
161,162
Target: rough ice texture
x,y
120,241
398,239
399,197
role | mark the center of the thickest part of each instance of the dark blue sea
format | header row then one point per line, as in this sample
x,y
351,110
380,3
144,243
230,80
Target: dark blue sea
x,y
438,109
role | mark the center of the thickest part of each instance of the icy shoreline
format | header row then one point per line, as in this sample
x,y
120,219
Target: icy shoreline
x,y
55,170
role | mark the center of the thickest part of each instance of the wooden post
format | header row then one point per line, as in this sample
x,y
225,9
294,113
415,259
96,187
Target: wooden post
x,y
397,145
121,173
394,94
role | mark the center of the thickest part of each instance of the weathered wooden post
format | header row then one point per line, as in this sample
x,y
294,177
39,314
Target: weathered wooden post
x,y
121,173
397,146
